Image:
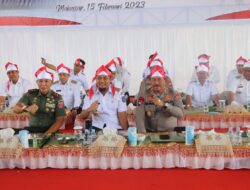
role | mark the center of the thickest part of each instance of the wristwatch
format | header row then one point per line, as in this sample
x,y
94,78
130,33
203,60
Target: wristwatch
x,y
167,105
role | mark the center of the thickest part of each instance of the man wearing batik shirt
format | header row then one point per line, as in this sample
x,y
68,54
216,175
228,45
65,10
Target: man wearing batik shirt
x,y
76,74
104,104
237,73
202,92
15,87
160,108
214,76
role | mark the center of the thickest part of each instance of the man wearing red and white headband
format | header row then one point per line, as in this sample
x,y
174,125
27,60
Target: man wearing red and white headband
x,y
239,90
15,87
122,75
202,92
160,108
45,106
75,74
146,82
69,89
104,104
214,75
237,73
111,66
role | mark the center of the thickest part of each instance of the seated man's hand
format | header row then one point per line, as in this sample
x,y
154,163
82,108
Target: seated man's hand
x,y
43,61
158,102
94,106
32,109
74,112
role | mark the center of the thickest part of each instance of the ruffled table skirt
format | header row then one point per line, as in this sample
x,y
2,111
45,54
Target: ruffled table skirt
x,y
149,156
208,121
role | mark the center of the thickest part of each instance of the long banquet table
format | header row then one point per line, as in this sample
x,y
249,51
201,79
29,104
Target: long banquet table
x,y
170,155
215,120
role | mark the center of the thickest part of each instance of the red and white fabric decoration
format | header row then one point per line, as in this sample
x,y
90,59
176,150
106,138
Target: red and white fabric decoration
x,y
62,69
247,64
118,61
102,70
156,62
201,68
42,73
79,62
11,67
158,71
241,61
111,66
152,59
203,58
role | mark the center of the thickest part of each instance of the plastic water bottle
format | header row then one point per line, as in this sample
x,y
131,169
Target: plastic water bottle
x,y
132,136
87,140
237,136
93,135
230,134
7,103
24,138
205,108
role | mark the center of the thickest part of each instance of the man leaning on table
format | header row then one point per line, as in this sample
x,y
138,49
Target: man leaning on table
x,y
45,106
161,107
104,104
202,92
239,89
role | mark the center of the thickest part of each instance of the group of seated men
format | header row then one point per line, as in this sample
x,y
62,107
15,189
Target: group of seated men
x,y
158,104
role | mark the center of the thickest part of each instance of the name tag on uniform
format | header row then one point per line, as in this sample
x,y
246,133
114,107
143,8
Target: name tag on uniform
x,y
58,90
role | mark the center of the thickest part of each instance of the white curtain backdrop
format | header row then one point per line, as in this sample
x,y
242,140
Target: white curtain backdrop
x,y
178,46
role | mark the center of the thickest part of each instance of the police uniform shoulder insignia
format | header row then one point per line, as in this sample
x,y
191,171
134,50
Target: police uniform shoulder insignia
x,y
56,82
73,81
33,91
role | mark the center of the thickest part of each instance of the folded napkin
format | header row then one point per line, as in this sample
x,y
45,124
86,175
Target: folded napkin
x,y
7,133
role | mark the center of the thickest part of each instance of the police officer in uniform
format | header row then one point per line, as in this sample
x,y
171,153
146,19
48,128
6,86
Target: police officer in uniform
x,y
146,82
160,108
45,106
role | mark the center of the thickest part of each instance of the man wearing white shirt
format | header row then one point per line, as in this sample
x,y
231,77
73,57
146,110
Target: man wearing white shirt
x,y
202,92
69,89
15,87
213,76
236,73
239,90
122,75
104,104
75,74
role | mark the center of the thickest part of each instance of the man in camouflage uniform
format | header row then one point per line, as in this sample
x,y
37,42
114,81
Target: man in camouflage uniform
x,y
45,106
160,106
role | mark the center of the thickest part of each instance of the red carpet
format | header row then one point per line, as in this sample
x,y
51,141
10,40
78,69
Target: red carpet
x,y
150,179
